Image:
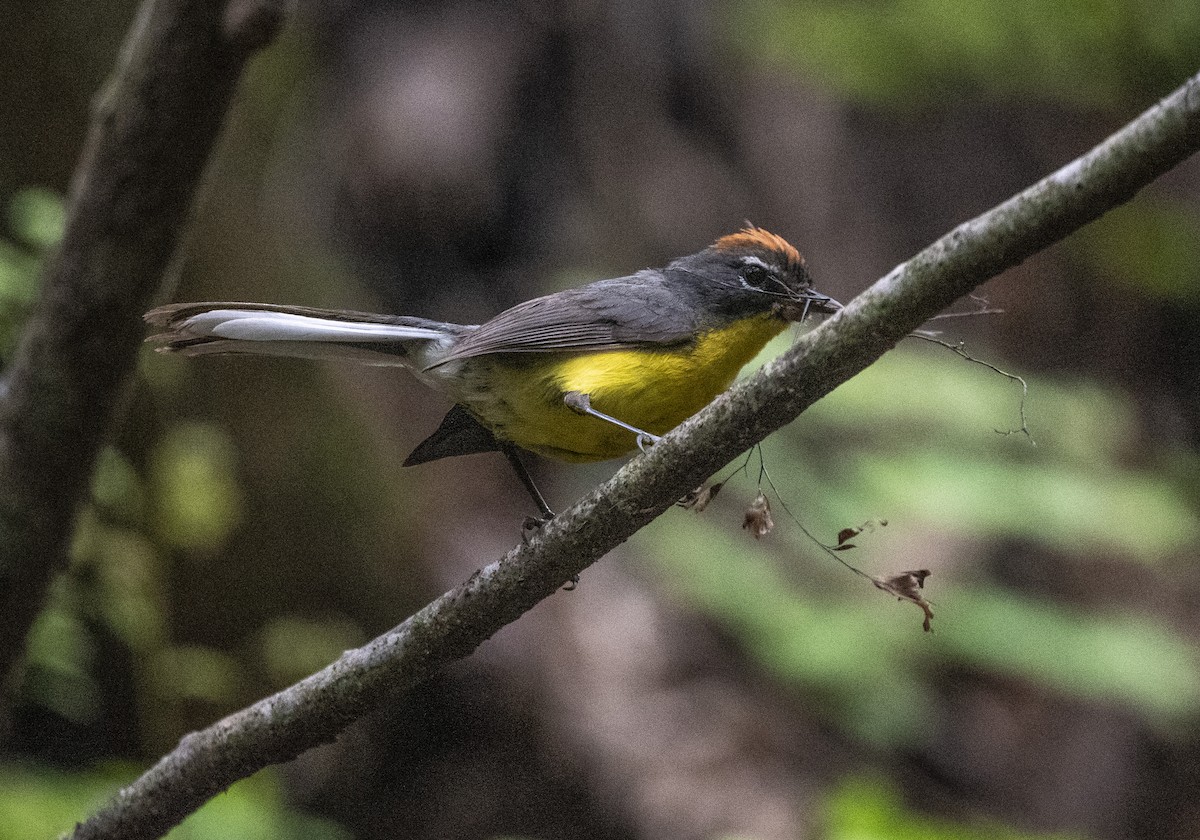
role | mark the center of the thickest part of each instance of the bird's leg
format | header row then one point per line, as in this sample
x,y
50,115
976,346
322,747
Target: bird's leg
x,y
532,523
582,404
514,458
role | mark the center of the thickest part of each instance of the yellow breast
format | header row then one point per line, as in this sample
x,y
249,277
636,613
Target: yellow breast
x,y
652,390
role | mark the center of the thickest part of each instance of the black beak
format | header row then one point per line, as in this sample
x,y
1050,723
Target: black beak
x,y
814,301
809,301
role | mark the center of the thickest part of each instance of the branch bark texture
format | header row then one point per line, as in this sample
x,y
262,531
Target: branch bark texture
x,y
153,128
315,710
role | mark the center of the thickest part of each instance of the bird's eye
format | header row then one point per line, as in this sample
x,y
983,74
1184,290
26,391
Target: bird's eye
x,y
756,275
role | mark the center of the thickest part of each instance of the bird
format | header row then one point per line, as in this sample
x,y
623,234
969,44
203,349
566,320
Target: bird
x,y
584,374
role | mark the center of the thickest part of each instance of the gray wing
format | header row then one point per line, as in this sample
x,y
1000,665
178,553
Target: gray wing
x,y
635,311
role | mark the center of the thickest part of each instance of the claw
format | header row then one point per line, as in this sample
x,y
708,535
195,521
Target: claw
x,y
531,525
645,439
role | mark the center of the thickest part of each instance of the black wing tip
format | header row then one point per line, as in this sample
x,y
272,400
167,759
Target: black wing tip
x,y
459,433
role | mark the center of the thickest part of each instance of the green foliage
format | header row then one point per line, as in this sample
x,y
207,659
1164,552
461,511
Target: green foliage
x,y
117,489
931,453
195,486
294,647
928,460
195,672
1075,52
1113,656
35,218
116,581
1150,246
870,809
124,578
39,802
60,656
845,644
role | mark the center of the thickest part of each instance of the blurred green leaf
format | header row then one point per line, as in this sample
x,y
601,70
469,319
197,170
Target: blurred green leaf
x,y
194,672
37,217
924,448
294,647
194,474
254,809
870,809
59,654
58,639
129,587
18,279
804,618
116,486
1137,515
1117,657
922,51
865,655
1151,246
39,802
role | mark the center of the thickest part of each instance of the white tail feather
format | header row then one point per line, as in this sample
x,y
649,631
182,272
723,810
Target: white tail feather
x,y
256,325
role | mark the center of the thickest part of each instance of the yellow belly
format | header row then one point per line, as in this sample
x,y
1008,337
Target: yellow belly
x,y
652,390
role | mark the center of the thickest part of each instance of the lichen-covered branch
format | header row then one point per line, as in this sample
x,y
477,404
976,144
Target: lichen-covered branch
x,y
313,711
153,128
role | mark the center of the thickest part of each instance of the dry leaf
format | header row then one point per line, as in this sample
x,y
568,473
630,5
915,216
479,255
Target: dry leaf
x,y
847,533
758,517
906,586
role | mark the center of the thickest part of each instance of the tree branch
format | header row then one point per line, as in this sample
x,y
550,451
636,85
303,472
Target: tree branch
x,y
153,128
313,711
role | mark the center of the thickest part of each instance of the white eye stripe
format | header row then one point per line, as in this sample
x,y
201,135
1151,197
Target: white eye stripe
x,y
754,261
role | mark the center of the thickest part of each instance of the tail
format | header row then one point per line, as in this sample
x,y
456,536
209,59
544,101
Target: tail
x,y
262,329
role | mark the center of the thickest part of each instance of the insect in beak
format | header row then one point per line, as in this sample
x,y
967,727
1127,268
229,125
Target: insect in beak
x,y
809,301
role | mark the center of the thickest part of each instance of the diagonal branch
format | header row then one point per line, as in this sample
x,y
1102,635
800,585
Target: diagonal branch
x,y
153,129
315,710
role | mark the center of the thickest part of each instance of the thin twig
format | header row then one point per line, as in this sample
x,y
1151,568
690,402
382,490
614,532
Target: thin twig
x,y
960,350
982,307
973,313
828,549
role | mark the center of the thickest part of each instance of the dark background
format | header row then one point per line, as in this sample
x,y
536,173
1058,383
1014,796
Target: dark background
x,y
252,518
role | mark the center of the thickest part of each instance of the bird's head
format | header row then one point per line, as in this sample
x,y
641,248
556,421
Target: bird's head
x,y
750,272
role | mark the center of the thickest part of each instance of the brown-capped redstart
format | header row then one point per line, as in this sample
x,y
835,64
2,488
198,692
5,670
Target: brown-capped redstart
x,y
583,374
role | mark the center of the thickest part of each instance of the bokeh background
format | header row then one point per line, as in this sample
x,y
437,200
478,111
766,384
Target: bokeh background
x,y
251,518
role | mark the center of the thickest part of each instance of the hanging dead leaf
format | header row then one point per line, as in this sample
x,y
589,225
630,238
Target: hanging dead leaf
x,y
758,517
847,533
906,586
